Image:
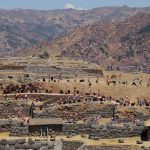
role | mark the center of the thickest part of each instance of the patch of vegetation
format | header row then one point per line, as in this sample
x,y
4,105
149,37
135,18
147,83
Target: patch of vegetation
x,y
94,71
43,55
146,29
11,67
130,52
118,58
103,49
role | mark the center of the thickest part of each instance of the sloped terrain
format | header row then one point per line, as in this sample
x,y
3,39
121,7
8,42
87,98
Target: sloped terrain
x,y
109,44
20,29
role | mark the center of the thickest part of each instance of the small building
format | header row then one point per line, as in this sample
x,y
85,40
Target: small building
x,y
45,125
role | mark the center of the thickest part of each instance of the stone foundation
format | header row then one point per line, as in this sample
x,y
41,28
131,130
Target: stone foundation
x,y
26,144
105,131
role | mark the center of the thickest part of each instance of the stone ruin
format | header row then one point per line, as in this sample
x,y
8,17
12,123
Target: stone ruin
x,y
108,131
18,144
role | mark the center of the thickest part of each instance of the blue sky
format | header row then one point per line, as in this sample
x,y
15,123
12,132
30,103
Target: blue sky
x,y
77,4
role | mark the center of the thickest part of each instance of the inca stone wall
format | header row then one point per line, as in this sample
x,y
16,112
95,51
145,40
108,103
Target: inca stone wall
x,y
7,109
71,145
23,144
110,148
18,130
8,124
105,131
106,112
45,144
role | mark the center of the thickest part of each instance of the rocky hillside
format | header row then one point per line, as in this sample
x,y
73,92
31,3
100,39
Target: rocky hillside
x,y
124,45
20,29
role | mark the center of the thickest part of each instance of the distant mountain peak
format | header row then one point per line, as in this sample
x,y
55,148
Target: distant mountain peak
x,y
23,29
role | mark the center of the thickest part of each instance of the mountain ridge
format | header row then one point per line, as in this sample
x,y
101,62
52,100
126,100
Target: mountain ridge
x,y
20,29
109,44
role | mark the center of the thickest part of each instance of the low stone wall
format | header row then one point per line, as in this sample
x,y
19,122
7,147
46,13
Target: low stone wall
x,y
14,127
105,131
106,112
71,145
7,108
19,130
46,112
113,131
127,113
6,124
114,147
126,120
24,144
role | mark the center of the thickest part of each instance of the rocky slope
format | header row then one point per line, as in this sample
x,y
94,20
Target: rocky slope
x,y
20,29
111,45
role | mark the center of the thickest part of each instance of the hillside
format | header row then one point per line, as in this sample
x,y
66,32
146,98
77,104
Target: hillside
x,y
20,29
121,46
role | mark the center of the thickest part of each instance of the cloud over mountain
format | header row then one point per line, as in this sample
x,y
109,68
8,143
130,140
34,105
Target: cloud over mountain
x,y
71,6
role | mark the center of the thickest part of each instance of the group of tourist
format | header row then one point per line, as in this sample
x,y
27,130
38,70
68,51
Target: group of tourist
x,y
139,102
20,88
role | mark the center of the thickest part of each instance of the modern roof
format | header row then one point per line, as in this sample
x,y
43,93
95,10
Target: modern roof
x,y
45,121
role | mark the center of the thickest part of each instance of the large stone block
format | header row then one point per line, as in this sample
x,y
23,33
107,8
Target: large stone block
x,y
2,147
50,145
44,148
26,146
21,141
7,147
18,146
3,142
12,142
36,146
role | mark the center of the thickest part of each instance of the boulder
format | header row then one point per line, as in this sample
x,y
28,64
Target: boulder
x,y
44,143
43,55
18,146
120,141
139,142
12,142
3,142
21,141
50,145
36,146
7,147
26,146
44,148
30,141
2,147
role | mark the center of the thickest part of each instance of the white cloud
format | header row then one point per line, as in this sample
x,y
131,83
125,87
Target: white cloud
x,y
71,6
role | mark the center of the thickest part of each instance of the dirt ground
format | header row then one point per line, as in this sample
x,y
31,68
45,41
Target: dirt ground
x,y
116,91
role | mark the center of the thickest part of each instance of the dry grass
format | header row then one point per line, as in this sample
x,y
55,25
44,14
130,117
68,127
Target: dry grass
x,y
120,90
115,91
